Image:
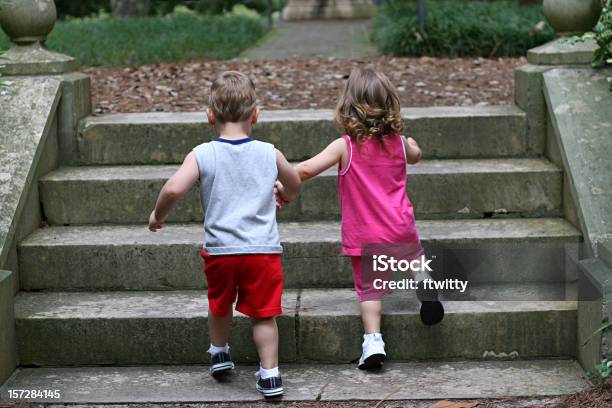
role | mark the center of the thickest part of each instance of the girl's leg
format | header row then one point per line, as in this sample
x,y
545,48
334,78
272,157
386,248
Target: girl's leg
x,y
373,353
265,336
219,328
371,312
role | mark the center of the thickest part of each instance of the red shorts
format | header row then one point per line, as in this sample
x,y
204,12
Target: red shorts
x,y
256,279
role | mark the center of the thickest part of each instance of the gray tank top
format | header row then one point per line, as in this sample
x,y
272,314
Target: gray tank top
x,y
237,193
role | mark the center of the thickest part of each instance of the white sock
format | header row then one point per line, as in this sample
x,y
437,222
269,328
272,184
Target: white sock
x,y
267,373
372,336
216,350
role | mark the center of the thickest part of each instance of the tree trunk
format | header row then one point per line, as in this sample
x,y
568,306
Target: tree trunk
x,y
130,8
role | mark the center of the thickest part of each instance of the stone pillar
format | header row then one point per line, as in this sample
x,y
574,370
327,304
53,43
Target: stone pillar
x,y
27,23
328,9
528,94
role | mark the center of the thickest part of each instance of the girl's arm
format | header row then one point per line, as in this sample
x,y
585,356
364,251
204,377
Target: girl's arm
x,y
413,151
331,155
173,190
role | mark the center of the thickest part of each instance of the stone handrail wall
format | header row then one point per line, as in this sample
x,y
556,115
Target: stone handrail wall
x,y
568,110
38,128
28,146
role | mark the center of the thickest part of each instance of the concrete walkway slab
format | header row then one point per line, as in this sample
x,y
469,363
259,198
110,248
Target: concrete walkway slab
x,y
432,380
324,38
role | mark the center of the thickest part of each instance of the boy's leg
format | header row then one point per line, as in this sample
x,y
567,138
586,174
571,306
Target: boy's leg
x,y
259,296
219,328
220,272
265,336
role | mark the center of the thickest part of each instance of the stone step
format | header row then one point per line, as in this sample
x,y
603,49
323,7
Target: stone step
x,y
132,328
156,138
311,382
438,189
130,257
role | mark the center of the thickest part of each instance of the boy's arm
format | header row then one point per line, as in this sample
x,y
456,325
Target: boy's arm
x,y
173,190
413,151
330,156
289,179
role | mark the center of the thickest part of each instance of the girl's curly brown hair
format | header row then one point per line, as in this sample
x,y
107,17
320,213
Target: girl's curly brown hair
x,y
369,106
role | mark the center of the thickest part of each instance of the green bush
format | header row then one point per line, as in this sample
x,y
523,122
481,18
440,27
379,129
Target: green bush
x,y
459,28
222,6
86,8
142,40
80,8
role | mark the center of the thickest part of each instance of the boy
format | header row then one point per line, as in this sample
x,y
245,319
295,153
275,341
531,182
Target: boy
x,y
242,248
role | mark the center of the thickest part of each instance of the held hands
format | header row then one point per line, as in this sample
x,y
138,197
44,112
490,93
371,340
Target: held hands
x,y
154,223
412,142
281,195
413,151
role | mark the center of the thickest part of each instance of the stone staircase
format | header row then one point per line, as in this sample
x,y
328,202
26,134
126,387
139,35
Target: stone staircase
x,y
98,289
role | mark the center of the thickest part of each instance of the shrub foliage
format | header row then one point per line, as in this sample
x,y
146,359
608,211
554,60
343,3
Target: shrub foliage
x,y
104,40
85,8
459,28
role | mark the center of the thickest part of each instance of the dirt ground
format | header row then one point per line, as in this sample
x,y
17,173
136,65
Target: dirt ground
x,y
303,83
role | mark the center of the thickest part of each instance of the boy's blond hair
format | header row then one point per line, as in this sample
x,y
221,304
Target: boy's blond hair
x,y
232,97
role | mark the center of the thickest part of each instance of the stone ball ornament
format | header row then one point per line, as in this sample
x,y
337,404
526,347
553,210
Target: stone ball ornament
x,y
570,17
27,21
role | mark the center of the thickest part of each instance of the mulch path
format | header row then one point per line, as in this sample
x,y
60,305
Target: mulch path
x,y
599,395
303,83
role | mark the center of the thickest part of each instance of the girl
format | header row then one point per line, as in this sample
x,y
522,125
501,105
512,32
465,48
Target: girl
x,y
375,209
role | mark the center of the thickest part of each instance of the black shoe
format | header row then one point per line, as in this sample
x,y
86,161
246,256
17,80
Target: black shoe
x,y
221,363
432,312
270,387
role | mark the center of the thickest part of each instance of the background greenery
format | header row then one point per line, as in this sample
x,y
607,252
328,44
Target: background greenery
x,y
458,28
602,34
103,40
84,8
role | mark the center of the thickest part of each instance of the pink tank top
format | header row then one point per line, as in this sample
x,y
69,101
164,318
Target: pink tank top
x,y
373,202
